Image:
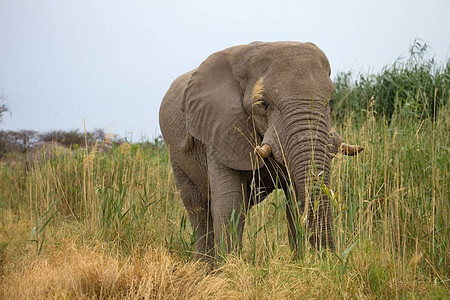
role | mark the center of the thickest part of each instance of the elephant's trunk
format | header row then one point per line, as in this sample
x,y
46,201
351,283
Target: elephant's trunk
x,y
308,162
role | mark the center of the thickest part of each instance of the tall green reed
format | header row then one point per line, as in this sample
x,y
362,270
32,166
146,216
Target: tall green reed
x,y
417,86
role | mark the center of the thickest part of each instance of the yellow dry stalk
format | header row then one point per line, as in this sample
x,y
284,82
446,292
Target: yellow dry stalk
x,y
109,135
125,148
258,91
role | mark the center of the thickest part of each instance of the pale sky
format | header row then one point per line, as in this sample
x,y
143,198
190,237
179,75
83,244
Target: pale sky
x,y
110,62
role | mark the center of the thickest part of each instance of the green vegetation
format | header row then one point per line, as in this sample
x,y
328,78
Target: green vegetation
x,y
415,87
93,224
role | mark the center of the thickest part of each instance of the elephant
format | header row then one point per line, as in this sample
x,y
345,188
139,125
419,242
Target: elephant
x,y
249,119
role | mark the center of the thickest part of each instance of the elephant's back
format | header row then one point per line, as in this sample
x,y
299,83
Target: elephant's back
x,y
171,118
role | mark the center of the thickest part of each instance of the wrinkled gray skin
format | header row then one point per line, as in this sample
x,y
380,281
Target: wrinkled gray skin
x,y
212,118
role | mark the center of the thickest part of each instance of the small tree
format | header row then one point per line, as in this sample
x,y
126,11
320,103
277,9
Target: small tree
x,y
3,107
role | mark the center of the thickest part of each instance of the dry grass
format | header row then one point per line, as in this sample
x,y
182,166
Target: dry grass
x,y
71,272
70,268
93,272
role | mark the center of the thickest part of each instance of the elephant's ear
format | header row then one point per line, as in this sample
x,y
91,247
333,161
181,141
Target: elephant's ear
x,y
215,114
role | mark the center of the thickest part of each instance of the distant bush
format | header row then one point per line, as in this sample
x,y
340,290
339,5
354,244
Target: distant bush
x,y
66,138
75,138
417,86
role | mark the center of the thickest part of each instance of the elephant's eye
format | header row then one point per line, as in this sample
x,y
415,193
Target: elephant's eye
x,y
260,103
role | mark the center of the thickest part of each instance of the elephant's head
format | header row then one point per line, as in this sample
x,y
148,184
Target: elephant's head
x,y
273,98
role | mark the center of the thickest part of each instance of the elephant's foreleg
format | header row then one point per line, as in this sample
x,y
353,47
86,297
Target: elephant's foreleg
x,y
227,203
197,206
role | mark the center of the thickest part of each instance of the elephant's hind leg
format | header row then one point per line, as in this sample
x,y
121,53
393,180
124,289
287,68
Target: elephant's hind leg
x,y
197,206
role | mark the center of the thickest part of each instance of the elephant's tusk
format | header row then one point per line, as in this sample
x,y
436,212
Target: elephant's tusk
x,y
350,150
263,151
